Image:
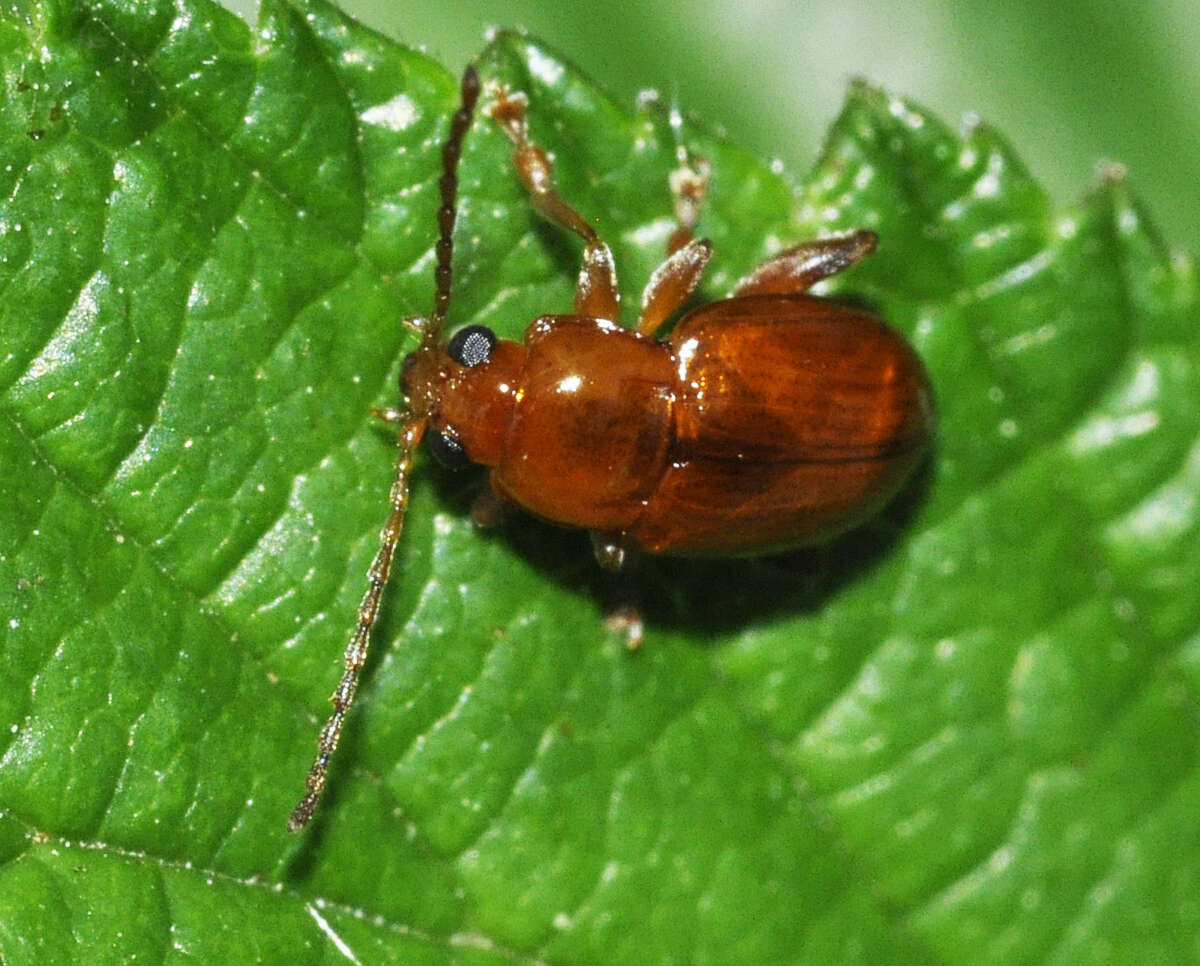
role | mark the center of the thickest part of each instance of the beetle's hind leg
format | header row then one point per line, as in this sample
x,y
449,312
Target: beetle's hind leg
x,y
596,294
796,269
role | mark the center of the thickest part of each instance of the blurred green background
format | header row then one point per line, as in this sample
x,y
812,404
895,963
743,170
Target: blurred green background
x,y
1071,83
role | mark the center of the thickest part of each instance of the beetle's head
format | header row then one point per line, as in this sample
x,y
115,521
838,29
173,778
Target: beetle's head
x,y
468,389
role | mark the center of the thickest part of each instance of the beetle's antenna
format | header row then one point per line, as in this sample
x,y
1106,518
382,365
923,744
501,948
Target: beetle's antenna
x,y
448,185
412,422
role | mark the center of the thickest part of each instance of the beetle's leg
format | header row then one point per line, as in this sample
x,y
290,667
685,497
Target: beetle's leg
x,y
627,619
671,284
596,294
611,550
689,180
793,271
677,277
689,187
614,554
490,509
393,417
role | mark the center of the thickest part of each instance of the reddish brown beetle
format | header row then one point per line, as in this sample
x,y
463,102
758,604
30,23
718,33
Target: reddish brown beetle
x,y
768,420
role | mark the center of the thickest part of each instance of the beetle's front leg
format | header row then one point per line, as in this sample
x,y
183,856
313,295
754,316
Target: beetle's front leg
x,y
795,270
596,294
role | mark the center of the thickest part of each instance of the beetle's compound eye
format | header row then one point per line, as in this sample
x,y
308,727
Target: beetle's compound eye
x,y
447,450
472,346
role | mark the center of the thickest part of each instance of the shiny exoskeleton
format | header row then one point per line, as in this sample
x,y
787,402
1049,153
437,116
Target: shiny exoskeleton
x,y
764,421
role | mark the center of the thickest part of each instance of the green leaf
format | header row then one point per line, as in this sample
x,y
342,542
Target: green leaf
x,y
965,733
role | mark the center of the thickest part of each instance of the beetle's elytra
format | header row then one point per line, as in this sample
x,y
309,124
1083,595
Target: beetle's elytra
x,y
767,420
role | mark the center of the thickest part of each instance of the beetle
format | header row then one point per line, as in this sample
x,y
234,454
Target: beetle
x,y
768,420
